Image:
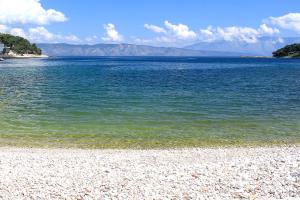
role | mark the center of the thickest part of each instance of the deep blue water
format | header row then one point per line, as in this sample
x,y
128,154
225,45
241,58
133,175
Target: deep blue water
x,y
138,99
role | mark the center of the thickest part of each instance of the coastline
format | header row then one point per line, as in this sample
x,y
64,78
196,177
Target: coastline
x,y
86,141
25,56
195,173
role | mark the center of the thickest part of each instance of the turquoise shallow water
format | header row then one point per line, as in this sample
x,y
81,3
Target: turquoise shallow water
x,y
149,101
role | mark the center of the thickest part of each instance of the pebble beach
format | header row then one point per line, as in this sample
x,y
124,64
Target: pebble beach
x,y
201,173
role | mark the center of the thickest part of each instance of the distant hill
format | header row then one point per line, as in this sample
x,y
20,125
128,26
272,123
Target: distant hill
x,y
263,47
291,51
62,49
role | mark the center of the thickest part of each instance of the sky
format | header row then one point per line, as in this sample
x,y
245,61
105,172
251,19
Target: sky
x,y
155,22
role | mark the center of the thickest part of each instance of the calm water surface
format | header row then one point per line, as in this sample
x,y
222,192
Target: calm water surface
x,y
149,102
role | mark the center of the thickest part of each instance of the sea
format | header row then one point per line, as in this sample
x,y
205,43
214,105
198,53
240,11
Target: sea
x,y
149,102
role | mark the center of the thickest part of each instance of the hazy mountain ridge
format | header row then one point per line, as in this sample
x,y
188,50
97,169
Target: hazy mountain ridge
x,y
62,49
263,47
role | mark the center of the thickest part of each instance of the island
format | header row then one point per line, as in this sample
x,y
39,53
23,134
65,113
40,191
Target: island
x,y
289,51
18,47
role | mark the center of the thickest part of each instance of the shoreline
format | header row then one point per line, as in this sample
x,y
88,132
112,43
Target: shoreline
x,y
23,56
155,149
175,148
270,147
105,142
195,173
145,148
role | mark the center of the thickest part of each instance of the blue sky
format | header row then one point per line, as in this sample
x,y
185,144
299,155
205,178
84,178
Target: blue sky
x,y
164,22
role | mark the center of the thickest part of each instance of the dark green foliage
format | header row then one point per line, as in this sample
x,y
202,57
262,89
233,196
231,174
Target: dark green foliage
x,y
19,45
292,51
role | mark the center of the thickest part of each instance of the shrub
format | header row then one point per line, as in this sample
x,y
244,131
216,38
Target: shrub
x,y
292,50
19,45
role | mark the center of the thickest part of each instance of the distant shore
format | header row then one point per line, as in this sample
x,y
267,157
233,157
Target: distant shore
x,y
256,57
16,56
197,173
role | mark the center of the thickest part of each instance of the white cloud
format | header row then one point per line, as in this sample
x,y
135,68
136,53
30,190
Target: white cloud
x,y
279,40
209,34
234,33
170,35
3,28
155,29
28,12
181,31
181,34
142,41
173,31
91,40
289,21
18,32
40,34
245,34
71,38
264,29
112,35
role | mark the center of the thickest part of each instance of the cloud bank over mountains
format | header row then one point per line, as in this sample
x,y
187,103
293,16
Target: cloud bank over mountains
x,y
182,34
29,19
244,34
173,33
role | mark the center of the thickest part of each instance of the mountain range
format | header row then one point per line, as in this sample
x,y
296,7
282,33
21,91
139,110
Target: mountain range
x,y
62,49
263,47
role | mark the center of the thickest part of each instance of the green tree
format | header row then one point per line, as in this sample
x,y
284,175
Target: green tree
x,y
292,50
19,45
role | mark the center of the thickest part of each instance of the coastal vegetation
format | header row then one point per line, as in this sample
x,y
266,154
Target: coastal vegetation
x,y
290,51
18,45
